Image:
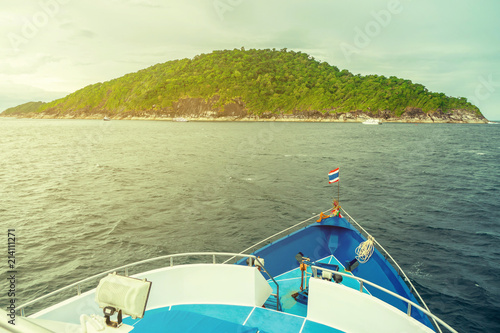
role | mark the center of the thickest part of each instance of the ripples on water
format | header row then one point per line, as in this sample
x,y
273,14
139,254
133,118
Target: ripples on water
x,y
86,196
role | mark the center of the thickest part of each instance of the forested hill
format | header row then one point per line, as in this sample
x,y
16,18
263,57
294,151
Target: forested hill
x,y
251,83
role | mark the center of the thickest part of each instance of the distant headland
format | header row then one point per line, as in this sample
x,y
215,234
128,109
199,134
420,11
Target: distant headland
x,y
255,85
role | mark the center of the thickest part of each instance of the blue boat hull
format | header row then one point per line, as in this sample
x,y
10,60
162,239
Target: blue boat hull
x,y
336,236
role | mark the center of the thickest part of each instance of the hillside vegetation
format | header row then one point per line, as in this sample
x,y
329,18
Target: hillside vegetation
x,y
258,81
29,107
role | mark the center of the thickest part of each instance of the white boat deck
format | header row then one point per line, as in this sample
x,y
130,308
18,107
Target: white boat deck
x,y
319,317
229,298
292,319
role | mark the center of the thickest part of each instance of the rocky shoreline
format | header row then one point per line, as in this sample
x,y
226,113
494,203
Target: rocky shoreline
x,y
410,116
200,109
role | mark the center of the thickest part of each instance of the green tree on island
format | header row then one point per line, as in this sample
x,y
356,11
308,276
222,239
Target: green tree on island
x,y
261,81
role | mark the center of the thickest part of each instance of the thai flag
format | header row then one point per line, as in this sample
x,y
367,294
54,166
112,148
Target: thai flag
x,y
333,176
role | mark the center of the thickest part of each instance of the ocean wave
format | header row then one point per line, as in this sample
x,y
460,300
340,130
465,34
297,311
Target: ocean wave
x,y
492,234
427,195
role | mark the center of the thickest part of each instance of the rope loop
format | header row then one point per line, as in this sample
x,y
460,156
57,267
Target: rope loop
x,y
365,250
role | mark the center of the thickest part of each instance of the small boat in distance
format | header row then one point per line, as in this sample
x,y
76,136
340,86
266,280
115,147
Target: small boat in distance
x,y
372,121
106,118
180,119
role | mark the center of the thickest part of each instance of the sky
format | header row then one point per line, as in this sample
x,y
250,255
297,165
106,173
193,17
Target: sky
x,y
50,48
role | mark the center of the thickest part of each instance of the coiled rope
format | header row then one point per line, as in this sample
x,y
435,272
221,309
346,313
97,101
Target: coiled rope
x,y
365,250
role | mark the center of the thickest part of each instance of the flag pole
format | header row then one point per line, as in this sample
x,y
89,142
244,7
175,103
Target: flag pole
x,y
338,193
334,177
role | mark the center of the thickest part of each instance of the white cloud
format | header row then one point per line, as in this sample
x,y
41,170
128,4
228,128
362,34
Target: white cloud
x,y
445,45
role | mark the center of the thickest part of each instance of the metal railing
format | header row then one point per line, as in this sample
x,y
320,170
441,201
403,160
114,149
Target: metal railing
x,y
125,268
275,236
400,271
276,283
407,301
353,222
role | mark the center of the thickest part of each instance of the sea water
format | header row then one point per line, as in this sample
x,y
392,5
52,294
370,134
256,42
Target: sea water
x,y
84,196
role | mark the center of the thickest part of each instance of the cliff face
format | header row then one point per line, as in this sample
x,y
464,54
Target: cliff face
x,y
197,108
454,116
436,116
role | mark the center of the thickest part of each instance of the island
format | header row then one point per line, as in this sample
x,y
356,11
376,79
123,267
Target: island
x,y
255,85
